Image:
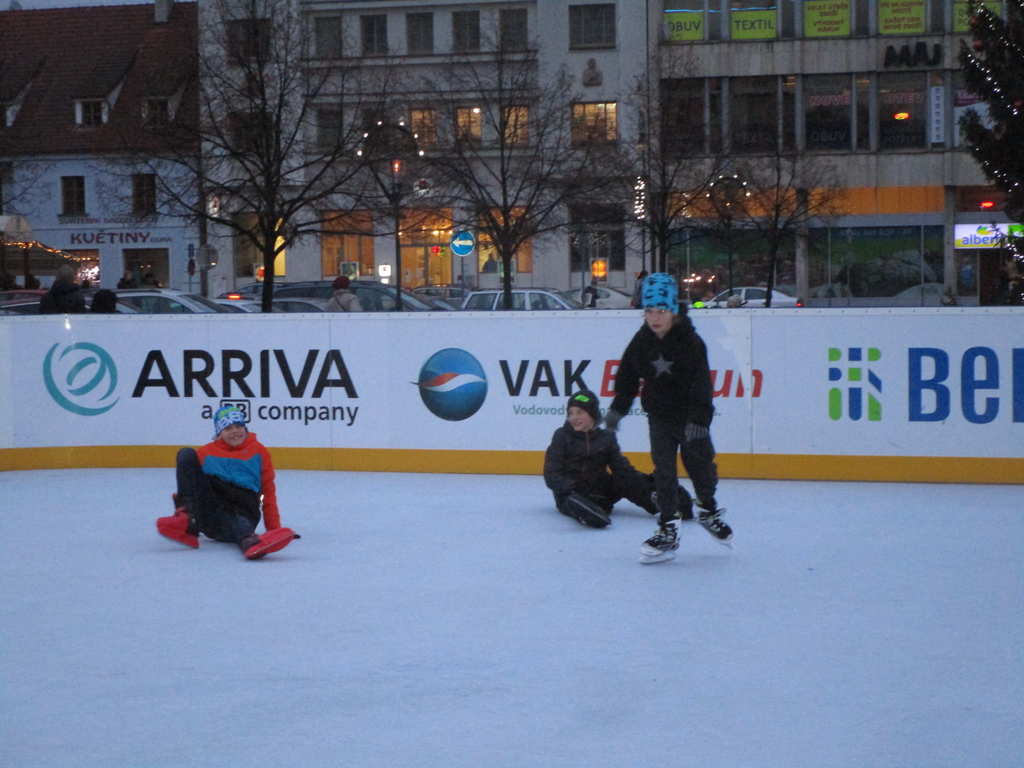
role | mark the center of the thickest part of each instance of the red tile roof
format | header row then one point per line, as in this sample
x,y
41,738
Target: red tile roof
x,y
66,54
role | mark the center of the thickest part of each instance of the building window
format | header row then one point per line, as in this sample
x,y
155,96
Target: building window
x,y
91,112
902,17
512,29
346,246
598,232
828,112
594,122
592,26
516,128
328,127
156,112
753,114
143,194
72,193
328,36
752,20
466,30
902,107
469,125
419,33
423,123
684,116
375,34
248,39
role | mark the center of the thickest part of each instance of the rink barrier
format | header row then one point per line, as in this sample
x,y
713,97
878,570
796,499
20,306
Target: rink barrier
x,y
735,466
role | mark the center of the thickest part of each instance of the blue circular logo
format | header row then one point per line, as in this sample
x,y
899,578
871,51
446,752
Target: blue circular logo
x,y
81,379
452,384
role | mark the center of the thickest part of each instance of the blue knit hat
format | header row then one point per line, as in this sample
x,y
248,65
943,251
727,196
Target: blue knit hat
x,y
659,291
226,416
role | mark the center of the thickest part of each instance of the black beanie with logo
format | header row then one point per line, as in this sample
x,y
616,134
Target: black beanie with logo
x,y
588,401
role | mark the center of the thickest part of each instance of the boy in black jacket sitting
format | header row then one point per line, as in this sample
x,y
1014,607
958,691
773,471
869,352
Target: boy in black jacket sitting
x,y
587,473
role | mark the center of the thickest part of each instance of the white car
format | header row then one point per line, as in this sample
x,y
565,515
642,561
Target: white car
x,y
752,296
607,298
522,298
166,301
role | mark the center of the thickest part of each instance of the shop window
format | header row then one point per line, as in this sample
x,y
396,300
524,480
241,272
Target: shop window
x,y
419,33
691,20
72,192
592,26
828,112
466,31
487,254
964,101
902,17
327,36
862,87
902,110
753,114
249,259
828,18
594,123
346,246
374,29
148,267
598,232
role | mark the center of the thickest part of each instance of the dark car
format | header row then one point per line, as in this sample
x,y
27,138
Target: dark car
x,y
374,296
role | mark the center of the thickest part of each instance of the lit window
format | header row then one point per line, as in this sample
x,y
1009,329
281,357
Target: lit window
x,y
517,125
468,125
594,122
423,123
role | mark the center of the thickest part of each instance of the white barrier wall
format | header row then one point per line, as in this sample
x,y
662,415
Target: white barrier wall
x,y
893,394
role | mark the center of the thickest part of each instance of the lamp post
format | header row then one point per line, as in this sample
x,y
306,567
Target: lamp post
x,y
727,194
391,145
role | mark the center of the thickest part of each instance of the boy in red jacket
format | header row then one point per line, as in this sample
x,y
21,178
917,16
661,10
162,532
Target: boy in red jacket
x,y
220,489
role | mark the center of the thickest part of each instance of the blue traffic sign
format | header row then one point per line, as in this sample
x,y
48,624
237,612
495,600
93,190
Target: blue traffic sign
x,y
463,243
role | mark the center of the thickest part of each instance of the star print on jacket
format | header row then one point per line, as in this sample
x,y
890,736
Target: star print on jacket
x,y
661,365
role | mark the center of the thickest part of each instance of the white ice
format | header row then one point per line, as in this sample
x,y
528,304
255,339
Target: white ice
x,y
458,620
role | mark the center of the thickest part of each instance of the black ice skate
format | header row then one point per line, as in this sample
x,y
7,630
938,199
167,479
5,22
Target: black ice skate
x,y
662,545
710,516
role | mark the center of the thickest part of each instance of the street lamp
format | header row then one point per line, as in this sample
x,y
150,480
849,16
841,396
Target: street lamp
x,y
727,194
391,145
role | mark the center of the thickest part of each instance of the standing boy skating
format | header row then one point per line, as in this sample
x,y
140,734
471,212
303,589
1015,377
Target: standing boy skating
x,y
587,473
668,356
223,489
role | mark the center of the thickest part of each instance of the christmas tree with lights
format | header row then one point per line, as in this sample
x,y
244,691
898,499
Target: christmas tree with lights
x,y
993,65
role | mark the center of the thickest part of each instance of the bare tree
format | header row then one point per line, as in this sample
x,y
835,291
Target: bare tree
x,y
515,159
267,155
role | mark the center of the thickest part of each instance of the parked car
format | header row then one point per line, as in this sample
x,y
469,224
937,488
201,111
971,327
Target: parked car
x,y
31,307
18,294
923,295
249,291
166,301
453,294
522,299
752,296
607,298
374,296
238,305
299,304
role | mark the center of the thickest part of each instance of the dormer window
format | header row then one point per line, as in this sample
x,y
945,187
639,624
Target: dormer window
x,y
156,111
91,112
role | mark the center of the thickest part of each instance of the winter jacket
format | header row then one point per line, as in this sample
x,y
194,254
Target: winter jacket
x,y
246,467
576,461
675,374
62,298
343,300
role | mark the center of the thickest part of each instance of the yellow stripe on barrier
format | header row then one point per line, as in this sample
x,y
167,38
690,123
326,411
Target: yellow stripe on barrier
x,y
900,469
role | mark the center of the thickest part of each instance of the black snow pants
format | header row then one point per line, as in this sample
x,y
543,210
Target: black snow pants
x,y
698,458
223,511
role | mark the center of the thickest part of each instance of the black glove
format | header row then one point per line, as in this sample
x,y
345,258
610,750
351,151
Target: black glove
x,y
612,419
694,431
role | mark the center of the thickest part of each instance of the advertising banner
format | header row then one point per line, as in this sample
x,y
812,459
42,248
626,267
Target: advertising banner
x,y
683,26
753,25
846,383
827,18
901,17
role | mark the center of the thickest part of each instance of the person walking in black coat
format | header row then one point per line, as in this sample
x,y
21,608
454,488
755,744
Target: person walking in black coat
x,y
670,358
587,473
64,297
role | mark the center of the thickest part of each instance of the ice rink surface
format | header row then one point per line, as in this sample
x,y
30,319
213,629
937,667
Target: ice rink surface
x,y
458,620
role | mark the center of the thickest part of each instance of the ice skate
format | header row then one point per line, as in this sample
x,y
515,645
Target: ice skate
x,y
179,527
662,545
710,517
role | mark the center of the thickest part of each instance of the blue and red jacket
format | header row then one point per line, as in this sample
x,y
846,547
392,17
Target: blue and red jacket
x,y
248,466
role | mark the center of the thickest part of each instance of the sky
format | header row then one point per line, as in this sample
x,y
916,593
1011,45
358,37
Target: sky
x,y
459,621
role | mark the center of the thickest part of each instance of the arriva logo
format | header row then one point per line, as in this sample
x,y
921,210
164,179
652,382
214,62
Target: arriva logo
x,y
81,379
855,379
452,384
